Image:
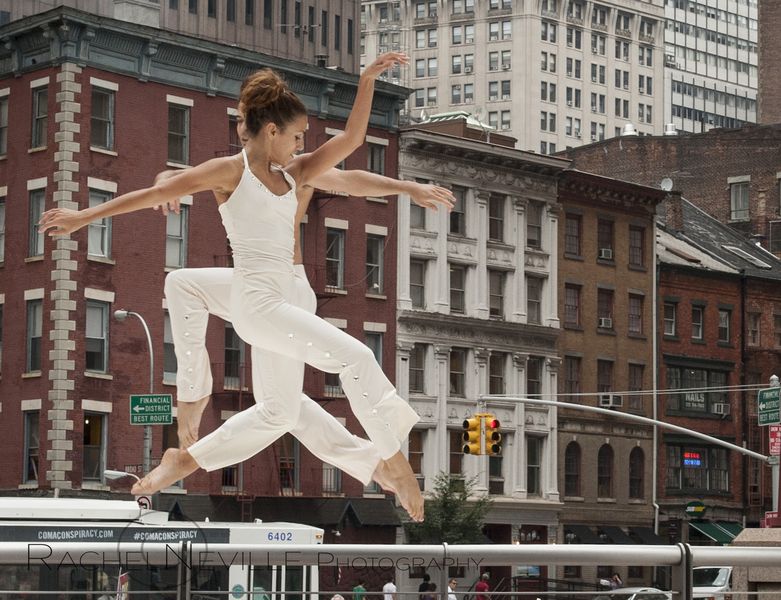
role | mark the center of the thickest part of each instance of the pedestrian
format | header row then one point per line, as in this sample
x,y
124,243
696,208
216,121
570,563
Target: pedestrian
x,y
389,590
451,589
483,587
359,591
423,587
257,202
616,582
431,592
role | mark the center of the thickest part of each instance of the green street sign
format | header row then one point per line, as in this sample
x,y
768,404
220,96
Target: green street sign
x,y
151,409
769,406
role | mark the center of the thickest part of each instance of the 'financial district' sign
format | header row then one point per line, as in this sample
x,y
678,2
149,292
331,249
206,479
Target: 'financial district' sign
x,y
769,406
151,409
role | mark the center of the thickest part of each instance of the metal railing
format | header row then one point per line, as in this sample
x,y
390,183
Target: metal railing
x,y
186,557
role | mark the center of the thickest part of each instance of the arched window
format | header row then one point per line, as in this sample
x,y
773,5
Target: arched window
x,y
636,473
605,472
572,470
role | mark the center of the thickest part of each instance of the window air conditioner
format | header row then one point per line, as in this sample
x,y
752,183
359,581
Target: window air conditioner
x,y
569,103
605,253
506,67
505,96
593,138
467,69
720,408
605,323
611,400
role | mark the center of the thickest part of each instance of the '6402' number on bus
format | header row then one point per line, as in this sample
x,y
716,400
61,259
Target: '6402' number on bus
x,y
280,536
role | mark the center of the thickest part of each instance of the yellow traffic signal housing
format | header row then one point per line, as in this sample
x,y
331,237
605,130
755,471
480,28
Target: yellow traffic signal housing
x,y
493,439
472,436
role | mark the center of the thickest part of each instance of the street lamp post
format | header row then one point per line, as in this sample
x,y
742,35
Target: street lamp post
x,y
121,315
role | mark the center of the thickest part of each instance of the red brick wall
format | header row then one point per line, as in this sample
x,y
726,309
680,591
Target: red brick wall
x,y
769,48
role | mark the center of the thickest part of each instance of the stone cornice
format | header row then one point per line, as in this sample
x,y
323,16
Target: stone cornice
x,y
68,35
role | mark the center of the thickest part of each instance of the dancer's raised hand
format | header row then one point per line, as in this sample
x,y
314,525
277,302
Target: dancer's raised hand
x,y
384,62
62,221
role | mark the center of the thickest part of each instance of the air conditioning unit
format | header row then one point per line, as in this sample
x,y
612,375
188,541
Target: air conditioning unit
x,y
493,68
507,36
432,103
505,96
605,323
467,69
593,138
433,13
577,134
469,40
493,97
611,400
569,103
720,408
506,67
505,126
605,253
432,44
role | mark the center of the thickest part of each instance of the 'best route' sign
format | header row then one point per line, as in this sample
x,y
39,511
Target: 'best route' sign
x,y
769,406
151,409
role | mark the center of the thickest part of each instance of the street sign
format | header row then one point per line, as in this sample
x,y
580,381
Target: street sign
x,y
775,440
769,406
771,519
151,409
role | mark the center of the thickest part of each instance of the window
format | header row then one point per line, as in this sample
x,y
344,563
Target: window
x,y
493,31
312,24
534,376
96,336
573,225
230,11
192,7
234,359
373,339
724,328
496,369
670,314
455,64
605,472
211,8
334,258
458,214
289,462
469,88
457,289
169,355
699,468
455,454
753,329
455,94
534,300
698,315
40,103
99,232
572,377
604,308
457,372
534,225
35,237
636,246
417,368
636,374
94,446
548,32
375,246
4,126
604,376
350,36
635,314
102,119
176,238
415,454
572,470
496,281
2,306
636,473
605,239
178,133
376,162
533,466
417,283
739,207
496,217
495,475
337,32
572,305
693,380
31,446
776,328
34,335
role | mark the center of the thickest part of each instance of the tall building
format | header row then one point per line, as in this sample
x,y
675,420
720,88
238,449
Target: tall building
x,y
84,120
711,60
551,73
322,32
769,107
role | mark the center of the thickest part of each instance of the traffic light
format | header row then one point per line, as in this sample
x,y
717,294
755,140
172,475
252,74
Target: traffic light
x,y
493,439
471,435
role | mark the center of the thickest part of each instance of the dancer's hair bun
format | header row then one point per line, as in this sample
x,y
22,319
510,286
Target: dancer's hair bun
x,y
265,97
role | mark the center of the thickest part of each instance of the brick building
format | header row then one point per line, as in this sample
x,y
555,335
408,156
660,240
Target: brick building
x,y
90,114
731,174
606,298
768,106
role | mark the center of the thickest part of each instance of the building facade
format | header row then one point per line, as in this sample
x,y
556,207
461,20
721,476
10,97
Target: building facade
x,y
82,127
577,71
711,63
322,32
606,301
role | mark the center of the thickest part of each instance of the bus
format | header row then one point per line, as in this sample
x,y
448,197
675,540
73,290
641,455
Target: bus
x,y
41,521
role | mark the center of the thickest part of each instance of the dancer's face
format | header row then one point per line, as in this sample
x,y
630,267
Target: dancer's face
x,y
287,141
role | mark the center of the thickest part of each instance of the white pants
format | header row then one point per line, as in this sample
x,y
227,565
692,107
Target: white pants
x,y
263,314
192,294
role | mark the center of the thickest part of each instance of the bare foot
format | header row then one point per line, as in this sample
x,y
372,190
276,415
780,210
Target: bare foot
x,y
383,478
188,419
175,465
403,480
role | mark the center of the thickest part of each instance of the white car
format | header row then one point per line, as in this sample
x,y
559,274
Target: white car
x,y
634,593
711,583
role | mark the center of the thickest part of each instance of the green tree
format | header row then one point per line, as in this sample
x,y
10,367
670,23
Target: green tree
x,y
452,515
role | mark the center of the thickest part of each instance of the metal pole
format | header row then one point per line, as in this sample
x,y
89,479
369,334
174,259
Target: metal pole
x,y
148,428
776,480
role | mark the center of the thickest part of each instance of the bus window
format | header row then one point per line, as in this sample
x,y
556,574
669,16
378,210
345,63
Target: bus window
x,y
262,582
294,583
